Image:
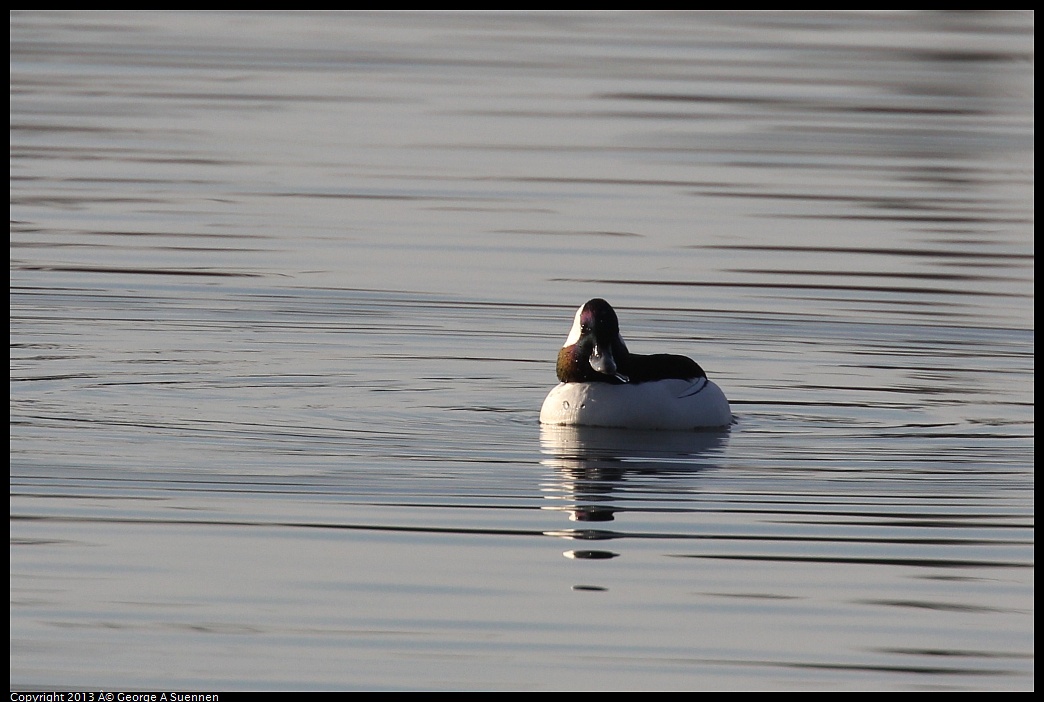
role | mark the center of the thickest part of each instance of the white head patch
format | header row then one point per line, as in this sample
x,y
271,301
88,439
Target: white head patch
x,y
574,333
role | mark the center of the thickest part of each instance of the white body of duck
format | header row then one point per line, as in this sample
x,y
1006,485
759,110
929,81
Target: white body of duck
x,y
673,404
604,385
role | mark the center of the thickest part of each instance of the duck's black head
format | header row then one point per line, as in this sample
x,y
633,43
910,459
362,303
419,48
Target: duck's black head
x,y
594,350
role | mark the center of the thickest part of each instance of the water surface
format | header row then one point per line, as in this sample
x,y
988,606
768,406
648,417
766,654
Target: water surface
x,y
286,294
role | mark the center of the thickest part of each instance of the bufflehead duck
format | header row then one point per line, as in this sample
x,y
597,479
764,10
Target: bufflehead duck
x,y
605,385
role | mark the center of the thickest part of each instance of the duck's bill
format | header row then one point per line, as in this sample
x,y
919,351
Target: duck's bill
x,y
602,361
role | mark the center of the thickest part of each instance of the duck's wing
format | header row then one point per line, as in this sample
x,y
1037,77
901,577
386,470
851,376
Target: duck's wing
x,y
695,387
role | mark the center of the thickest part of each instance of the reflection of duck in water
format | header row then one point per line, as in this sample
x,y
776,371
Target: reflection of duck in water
x,y
605,385
594,465
602,458
599,472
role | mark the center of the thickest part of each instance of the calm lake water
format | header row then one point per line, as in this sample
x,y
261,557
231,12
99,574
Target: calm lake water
x,y
286,295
